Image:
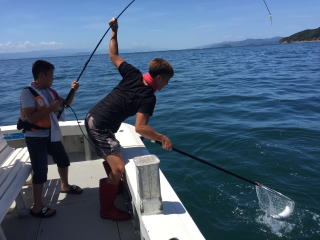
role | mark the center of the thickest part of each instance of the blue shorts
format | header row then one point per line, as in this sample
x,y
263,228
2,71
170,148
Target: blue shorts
x,y
39,148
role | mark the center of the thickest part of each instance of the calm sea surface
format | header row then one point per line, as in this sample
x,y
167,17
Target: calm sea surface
x,y
251,110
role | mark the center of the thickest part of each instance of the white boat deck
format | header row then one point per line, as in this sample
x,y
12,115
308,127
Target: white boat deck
x,y
77,215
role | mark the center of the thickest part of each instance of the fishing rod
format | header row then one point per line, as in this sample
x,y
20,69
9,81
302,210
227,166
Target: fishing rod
x,y
272,202
71,92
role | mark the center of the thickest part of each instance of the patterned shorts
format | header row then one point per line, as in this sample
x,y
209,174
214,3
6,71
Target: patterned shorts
x,y
104,140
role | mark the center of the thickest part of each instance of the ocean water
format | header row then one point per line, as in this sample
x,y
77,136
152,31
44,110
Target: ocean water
x,y
252,110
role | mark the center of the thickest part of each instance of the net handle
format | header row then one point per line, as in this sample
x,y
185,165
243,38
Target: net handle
x,y
237,176
212,165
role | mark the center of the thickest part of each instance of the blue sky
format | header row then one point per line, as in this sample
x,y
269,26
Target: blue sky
x,y
148,24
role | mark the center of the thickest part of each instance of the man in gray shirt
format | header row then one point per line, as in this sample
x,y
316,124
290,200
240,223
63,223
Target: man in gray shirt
x,y
40,105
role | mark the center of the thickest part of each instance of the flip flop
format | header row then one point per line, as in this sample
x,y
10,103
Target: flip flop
x,y
73,189
45,212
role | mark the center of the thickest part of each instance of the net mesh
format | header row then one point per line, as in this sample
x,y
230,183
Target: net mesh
x,y
274,203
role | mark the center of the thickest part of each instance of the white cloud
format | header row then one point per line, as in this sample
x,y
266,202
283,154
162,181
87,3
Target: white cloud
x,y
26,46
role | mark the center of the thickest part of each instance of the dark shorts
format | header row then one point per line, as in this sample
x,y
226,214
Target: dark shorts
x,y
104,140
39,148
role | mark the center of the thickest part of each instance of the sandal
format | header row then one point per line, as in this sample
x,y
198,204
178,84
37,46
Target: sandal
x,y
45,212
73,189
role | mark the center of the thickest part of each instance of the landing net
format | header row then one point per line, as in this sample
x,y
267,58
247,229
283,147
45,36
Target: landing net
x,y
274,203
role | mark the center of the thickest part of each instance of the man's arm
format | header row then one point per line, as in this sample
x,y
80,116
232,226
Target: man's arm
x,y
147,131
113,47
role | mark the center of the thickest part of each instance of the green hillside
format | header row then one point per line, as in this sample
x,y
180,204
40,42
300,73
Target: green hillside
x,y
306,35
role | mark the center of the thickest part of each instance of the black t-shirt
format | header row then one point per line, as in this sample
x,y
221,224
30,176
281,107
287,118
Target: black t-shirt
x,y
126,99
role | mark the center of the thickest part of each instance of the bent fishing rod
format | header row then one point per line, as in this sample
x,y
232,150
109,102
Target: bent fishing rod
x,y
72,91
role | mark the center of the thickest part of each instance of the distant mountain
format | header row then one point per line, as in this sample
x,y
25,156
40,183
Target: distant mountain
x,y
77,52
67,52
247,42
309,35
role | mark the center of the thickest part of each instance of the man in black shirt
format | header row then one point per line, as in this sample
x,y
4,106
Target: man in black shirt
x,y
134,95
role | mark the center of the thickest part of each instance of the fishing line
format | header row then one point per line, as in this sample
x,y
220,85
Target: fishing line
x,y
270,15
78,122
87,62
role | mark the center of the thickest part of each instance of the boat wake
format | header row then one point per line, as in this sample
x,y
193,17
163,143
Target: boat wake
x,y
278,227
296,226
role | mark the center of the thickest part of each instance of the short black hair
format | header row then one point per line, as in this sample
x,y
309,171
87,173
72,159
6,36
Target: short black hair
x,y
41,66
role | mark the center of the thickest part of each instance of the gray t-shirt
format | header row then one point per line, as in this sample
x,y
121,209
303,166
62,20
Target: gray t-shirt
x,y
27,100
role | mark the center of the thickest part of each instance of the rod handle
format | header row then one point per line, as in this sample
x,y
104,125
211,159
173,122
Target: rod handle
x,y
70,94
